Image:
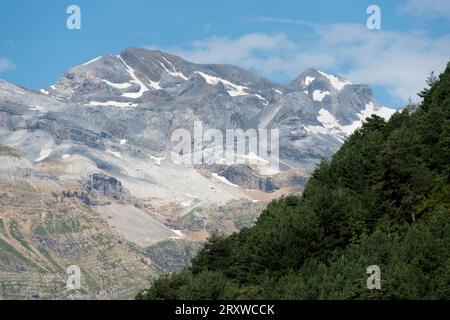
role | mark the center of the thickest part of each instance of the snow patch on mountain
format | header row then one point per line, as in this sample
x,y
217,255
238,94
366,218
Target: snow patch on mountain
x,y
278,91
117,85
337,83
179,234
232,89
142,87
90,61
173,72
370,109
114,104
37,108
114,153
331,126
308,80
43,154
319,95
224,180
329,122
157,160
264,100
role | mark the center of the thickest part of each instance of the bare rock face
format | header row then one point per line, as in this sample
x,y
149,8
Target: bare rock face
x,y
248,177
103,185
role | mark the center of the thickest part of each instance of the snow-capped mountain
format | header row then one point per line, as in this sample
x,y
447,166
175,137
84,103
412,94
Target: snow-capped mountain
x,y
115,115
126,106
315,112
97,145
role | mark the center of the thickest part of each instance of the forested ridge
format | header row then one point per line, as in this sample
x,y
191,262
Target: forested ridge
x,y
383,199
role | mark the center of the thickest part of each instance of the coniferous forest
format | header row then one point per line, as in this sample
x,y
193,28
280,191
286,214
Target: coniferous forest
x,y
383,199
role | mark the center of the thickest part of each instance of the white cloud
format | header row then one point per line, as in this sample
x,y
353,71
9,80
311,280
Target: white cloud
x,y
428,8
6,64
398,61
235,51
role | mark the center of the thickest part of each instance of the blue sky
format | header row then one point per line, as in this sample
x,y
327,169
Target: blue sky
x,y
276,39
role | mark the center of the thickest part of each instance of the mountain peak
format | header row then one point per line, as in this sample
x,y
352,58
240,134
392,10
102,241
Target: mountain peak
x,y
305,78
153,54
328,82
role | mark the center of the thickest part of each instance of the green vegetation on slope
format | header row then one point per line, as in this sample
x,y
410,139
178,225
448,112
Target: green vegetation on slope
x,y
8,151
383,199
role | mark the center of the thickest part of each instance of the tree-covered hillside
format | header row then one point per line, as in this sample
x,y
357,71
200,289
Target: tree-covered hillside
x,y
383,199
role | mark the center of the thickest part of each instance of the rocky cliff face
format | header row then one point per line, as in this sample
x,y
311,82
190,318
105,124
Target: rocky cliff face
x,y
103,185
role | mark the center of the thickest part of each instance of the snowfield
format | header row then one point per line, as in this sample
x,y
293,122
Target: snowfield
x,y
319,95
233,90
43,154
335,81
125,85
331,126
